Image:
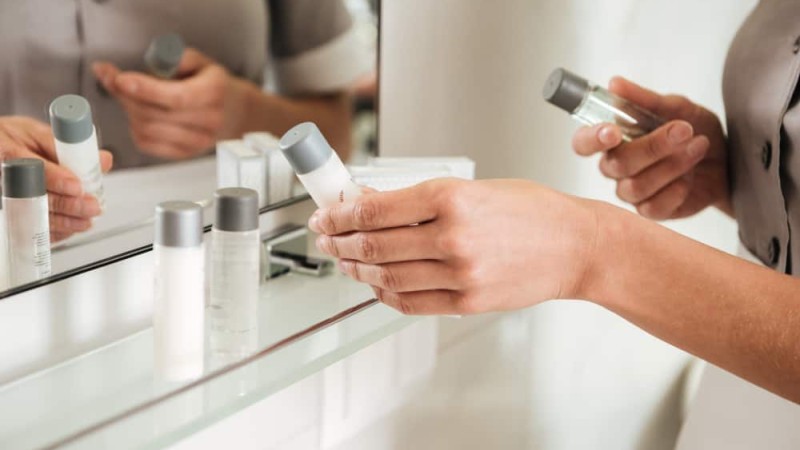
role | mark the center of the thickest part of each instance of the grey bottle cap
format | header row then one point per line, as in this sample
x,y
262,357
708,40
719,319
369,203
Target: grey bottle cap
x,y
565,89
23,178
71,119
305,148
237,209
179,224
164,54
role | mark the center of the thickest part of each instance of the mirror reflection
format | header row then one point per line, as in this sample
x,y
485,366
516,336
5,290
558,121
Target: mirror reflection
x,y
128,103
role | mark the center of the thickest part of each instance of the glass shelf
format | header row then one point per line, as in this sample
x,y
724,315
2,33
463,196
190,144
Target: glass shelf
x,y
111,397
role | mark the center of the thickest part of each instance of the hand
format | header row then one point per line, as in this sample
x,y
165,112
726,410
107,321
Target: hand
x,y
478,245
70,209
673,172
176,119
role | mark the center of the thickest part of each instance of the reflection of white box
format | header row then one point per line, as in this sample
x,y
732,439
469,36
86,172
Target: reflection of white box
x,y
460,166
280,175
239,165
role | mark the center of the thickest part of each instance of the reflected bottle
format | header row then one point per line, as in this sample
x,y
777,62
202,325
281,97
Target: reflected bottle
x,y
27,220
179,304
235,264
76,142
163,56
317,166
591,105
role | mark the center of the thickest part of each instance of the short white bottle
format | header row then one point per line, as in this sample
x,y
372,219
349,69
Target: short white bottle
x,y
27,220
235,251
179,303
317,166
76,142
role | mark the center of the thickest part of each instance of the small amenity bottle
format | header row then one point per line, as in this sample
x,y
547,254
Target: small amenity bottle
x,y
27,220
179,302
76,142
591,104
163,56
235,265
317,166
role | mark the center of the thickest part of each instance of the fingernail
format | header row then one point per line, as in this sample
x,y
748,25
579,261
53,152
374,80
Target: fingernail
x,y
608,135
696,149
71,187
313,223
679,133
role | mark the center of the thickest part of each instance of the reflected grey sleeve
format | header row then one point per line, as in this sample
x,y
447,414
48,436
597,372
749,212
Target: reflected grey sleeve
x,y
314,46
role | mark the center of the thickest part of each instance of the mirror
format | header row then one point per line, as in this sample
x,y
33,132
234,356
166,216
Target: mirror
x,y
185,97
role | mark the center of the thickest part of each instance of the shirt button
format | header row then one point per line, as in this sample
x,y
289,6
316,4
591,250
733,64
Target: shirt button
x,y
766,154
796,46
774,251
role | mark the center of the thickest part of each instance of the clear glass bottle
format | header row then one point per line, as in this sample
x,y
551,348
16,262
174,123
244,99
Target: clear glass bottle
x,y
317,166
27,220
591,105
76,142
235,263
179,302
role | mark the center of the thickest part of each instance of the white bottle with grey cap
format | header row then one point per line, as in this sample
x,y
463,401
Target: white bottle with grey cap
x,y
163,56
179,303
317,166
76,142
28,225
234,265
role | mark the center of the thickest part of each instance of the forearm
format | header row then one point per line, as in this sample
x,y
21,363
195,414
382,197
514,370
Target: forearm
x,y
732,313
256,110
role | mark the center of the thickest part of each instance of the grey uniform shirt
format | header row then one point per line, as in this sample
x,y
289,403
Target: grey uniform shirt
x,y
48,46
763,115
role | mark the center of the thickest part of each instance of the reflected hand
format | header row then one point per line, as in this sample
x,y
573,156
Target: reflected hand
x,y
673,172
478,246
70,209
180,118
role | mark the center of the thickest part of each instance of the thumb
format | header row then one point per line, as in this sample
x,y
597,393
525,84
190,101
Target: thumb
x,y
192,61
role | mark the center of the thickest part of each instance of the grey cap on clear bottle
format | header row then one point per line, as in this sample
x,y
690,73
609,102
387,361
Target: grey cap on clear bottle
x,y
179,224
71,119
305,148
565,89
23,178
236,209
164,54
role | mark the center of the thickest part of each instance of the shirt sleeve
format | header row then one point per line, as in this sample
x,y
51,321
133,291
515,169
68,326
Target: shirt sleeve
x,y
314,46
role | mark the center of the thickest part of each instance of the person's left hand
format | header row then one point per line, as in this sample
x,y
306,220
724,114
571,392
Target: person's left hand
x,y
180,118
463,247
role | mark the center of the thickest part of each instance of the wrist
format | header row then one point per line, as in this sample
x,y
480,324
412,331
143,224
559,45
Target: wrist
x,y
238,107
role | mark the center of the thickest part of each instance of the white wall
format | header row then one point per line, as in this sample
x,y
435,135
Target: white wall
x,y
465,77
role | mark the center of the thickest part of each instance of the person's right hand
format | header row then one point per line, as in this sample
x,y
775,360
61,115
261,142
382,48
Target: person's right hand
x,y
71,210
673,172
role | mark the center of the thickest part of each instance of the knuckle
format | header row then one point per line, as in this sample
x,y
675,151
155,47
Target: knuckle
x,y
327,224
466,304
405,306
468,275
612,166
366,214
388,279
367,247
452,244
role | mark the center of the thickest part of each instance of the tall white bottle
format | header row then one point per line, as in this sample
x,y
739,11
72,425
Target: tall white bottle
x,y
179,303
27,220
317,166
76,142
235,250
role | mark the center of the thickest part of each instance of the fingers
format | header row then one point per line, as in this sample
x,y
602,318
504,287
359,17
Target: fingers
x,y
106,161
402,277
655,178
65,225
384,246
171,141
205,119
192,61
61,181
424,302
634,157
639,95
84,207
599,138
378,211
206,88
667,202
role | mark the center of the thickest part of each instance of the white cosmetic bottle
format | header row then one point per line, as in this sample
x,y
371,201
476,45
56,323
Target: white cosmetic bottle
x,y
235,253
27,220
5,282
163,56
317,166
76,142
179,303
